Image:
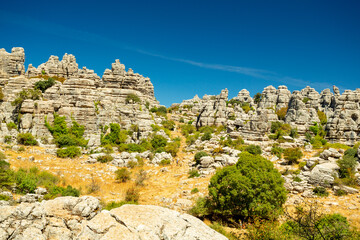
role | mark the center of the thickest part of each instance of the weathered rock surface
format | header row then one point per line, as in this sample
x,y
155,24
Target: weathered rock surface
x,y
81,218
243,117
89,100
12,64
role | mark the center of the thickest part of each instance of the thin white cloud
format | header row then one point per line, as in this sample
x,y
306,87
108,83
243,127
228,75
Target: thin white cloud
x,y
75,34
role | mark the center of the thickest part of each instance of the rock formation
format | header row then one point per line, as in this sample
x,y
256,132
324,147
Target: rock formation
x,y
82,218
243,117
12,64
96,102
82,95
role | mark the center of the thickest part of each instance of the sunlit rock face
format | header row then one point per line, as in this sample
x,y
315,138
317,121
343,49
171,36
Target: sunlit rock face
x,y
78,93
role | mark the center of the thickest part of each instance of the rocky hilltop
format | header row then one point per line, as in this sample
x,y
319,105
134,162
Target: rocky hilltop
x,y
251,118
78,93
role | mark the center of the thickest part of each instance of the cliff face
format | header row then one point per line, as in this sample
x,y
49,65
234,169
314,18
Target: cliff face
x,y
243,117
83,95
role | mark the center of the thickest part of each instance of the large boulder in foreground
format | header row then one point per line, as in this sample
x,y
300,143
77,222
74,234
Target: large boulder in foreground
x,y
81,218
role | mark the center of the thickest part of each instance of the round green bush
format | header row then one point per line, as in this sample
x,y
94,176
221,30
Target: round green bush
x,y
254,149
252,188
158,141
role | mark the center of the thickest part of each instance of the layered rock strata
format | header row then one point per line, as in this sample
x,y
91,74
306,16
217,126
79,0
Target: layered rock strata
x,y
79,94
252,120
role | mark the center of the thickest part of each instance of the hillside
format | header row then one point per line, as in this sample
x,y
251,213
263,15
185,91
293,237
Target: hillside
x,y
109,138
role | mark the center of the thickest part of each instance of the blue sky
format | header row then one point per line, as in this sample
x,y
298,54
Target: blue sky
x,y
196,47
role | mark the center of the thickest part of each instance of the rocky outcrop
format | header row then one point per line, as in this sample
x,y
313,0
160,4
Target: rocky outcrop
x,y
79,94
12,64
82,218
243,117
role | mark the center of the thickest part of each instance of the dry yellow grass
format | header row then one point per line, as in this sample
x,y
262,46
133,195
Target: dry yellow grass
x,y
170,184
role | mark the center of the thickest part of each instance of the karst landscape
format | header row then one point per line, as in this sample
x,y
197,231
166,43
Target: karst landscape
x,y
180,120
90,157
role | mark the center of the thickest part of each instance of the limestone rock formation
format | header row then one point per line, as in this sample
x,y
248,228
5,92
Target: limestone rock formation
x,y
12,64
81,95
252,121
82,218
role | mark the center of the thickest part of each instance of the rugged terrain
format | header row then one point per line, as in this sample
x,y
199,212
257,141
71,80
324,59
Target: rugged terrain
x,y
116,123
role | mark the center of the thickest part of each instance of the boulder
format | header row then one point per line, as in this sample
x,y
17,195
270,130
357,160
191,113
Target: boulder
x,y
323,174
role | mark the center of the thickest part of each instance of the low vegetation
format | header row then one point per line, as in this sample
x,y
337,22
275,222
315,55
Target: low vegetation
x,y
26,139
27,180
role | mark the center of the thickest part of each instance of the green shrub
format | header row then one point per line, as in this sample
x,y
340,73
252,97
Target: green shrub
x,y
250,189
1,94
116,135
64,136
201,208
194,190
4,197
7,139
198,156
302,165
7,178
25,181
340,192
58,191
292,155
305,100
168,124
276,150
132,147
132,195
254,149
320,191
257,97
206,136
173,148
132,98
187,129
322,117
159,111
297,179
158,141
293,133
112,205
181,120
165,162
11,125
122,175
44,84
26,139
107,149
105,158
281,113
193,173
190,139
347,163
2,157
33,94
69,152
246,107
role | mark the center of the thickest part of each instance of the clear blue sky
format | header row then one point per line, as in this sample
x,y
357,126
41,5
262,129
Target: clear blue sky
x,y
196,47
